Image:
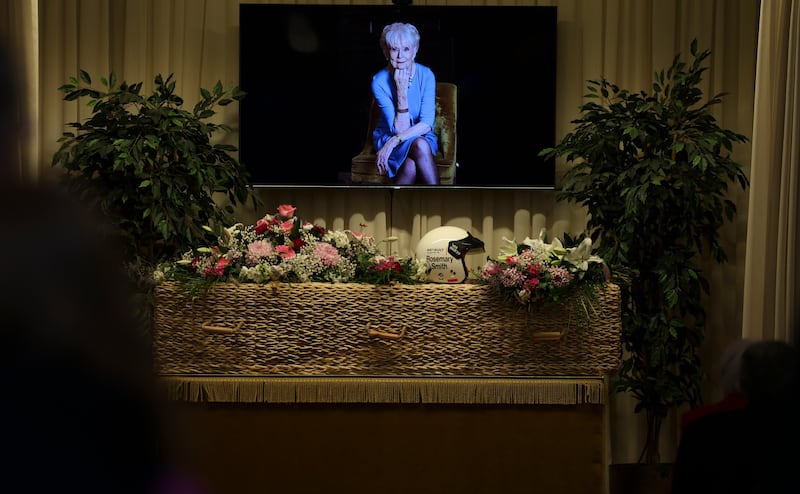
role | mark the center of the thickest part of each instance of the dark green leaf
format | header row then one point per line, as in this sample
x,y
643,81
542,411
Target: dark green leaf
x,y
652,169
149,165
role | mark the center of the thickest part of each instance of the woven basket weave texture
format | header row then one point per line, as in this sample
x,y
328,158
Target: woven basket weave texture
x,y
315,329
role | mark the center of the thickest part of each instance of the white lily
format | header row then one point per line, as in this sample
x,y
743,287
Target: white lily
x,y
581,255
558,247
507,250
540,249
227,234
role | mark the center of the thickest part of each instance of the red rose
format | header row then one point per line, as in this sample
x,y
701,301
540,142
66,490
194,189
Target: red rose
x,y
534,269
261,226
531,285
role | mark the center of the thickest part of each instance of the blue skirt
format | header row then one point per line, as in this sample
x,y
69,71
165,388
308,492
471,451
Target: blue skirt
x,y
400,152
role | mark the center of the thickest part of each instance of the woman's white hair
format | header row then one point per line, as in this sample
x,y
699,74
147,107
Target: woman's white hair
x,y
397,33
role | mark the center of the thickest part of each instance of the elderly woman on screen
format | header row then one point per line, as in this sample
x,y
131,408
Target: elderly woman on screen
x,y
406,95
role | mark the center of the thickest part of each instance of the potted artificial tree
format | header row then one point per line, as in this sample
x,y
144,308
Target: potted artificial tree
x,y
149,167
652,169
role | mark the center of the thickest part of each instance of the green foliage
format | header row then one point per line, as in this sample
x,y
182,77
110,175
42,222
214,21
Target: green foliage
x,y
652,169
149,166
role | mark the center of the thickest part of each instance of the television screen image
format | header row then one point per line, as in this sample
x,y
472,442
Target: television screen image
x,y
307,71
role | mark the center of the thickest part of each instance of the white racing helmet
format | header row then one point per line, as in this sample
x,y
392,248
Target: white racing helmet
x,y
443,250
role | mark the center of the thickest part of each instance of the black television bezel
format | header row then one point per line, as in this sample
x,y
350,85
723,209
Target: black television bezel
x,y
530,81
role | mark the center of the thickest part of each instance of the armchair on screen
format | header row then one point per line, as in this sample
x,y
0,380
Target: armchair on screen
x,y
363,169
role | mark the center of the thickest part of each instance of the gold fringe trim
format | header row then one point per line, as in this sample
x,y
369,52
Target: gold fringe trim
x,y
512,391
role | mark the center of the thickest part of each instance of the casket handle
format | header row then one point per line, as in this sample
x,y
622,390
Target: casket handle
x,y
547,336
606,271
210,328
374,333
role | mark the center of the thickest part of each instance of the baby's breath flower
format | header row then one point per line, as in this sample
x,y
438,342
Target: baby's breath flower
x,y
337,238
282,247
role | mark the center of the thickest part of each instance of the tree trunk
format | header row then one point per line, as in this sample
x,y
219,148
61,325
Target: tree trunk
x,y
651,452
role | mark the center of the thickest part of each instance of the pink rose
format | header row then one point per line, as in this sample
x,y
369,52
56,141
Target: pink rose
x,y
490,269
361,237
219,268
287,227
286,210
388,264
285,251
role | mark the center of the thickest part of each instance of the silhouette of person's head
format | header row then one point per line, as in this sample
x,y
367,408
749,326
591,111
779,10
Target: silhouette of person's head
x,y
769,373
80,404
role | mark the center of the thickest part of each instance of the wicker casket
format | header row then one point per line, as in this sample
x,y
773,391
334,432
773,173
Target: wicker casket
x,y
351,329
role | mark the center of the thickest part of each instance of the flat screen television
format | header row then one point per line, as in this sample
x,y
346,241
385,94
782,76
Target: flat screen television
x,y
307,71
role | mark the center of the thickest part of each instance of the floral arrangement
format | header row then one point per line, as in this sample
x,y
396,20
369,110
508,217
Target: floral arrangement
x,y
282,247
537,271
